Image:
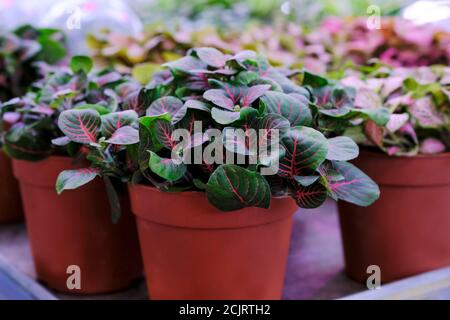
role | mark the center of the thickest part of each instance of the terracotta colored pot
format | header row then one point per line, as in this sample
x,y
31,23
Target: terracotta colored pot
x,y
10,202
75,228
192,250
407,231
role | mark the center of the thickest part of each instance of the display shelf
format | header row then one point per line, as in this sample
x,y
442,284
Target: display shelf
x,y
314,270
16,285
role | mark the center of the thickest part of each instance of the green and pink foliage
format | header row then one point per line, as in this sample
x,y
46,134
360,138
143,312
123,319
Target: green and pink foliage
x,y
241,91
418,101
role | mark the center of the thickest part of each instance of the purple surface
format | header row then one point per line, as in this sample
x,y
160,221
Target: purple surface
x,y
316,261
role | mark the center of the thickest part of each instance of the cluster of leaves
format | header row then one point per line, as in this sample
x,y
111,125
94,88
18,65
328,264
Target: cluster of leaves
x,y
139,55
397,42
234,14
33,118
224,14
418,100
225,92
19,52
336,45
283,44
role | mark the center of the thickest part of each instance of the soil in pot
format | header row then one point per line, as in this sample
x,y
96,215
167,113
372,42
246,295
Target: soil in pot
x,y
10,202
191,250
406,231
75,229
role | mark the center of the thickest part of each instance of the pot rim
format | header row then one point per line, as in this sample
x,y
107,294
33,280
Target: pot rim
x,y
199,213
416,157
44,173
421,171
196,194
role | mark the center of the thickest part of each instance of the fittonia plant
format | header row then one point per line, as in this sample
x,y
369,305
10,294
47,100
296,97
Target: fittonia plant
x,y
20,50
208,93
140,55
396,42
102,95
419,102
33,118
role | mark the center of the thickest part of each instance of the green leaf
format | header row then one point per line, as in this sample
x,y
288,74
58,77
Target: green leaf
x,y
224,117
144,72
124,136
306,181
174,106
356,134
80,126
197,105
356,187
148,139
310,197
162,130
379,115
238,141
186,64
139,100
230,96
231,187
314,80
51,51
147,121
267,139
27,143
293,108
61,141
342,149
73,179
116,120
212,57
102,110
166,168
306,149
271,122
82,64
145,144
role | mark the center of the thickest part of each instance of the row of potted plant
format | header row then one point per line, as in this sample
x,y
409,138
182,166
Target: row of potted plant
x,y
335,45
20,53
74,228
191,245
406,231
100,130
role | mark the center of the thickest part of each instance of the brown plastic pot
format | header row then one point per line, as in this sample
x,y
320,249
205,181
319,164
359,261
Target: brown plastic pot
x,y
75,228
407,231
193,251
10,202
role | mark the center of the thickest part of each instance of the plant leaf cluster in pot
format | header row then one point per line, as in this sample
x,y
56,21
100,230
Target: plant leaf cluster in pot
x,y
418,100
21,52
140,55
216,105
223,92
333,47
63,228
397,42
408,157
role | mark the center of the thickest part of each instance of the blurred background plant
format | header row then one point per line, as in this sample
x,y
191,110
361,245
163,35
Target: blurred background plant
x,y
234,13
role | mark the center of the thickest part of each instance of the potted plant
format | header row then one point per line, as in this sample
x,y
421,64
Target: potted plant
x,y
210,229
406,231
396,42
20,51
75,228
